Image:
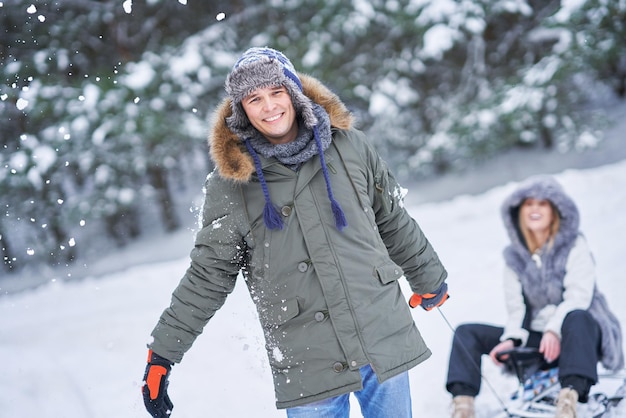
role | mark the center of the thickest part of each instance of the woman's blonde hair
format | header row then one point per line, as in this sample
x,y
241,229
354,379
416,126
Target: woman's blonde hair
x,y
531,243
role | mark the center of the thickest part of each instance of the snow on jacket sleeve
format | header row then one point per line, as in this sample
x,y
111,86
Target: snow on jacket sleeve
x,y
215,264
405,241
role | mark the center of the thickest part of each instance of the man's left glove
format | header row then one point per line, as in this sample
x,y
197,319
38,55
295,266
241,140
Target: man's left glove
x,y
154,388
429,301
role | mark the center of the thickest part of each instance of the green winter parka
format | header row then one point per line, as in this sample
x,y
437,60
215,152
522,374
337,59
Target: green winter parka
x,y
329,301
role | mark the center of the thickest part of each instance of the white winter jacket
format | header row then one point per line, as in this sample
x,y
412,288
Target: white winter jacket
x,y
578,290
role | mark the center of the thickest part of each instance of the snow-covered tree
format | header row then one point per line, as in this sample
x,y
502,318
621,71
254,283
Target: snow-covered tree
x,y
106,104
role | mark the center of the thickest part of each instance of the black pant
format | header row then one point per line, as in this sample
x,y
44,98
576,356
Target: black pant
x,y
580,348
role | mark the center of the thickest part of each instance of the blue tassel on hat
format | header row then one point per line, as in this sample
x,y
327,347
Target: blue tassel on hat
x,y
262,67
271,215
340,217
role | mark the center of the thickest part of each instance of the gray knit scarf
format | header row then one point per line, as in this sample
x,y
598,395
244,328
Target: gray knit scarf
x,y
544,285
303,148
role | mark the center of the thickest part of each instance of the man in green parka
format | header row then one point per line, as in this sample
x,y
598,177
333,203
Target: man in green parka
x,y
303,207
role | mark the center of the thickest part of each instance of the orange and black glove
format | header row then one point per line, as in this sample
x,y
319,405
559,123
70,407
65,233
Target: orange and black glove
x,y
154,387
429,301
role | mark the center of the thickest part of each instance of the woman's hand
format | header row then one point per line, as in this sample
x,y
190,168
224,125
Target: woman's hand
x,y
503,346
550,346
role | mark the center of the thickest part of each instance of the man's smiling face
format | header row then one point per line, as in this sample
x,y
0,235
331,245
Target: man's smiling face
x,y
271,112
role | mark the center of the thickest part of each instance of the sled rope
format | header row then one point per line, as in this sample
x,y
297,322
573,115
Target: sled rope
x,y
504,408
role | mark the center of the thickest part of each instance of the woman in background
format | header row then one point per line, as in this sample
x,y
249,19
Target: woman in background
x,y
552,302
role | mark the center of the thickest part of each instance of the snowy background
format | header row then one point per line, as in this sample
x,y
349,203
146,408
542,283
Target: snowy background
x,y
75,347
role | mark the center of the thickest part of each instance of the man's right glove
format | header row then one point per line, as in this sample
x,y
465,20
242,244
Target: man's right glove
x,y
429,301
154,387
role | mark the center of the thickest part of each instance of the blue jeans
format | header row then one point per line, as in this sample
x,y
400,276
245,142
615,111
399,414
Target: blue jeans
x,y
391,399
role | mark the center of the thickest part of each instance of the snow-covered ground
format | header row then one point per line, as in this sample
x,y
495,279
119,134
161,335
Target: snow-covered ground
x,y
75,347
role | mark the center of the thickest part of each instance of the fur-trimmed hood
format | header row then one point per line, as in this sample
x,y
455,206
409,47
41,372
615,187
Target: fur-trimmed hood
x,y
228,152
543,188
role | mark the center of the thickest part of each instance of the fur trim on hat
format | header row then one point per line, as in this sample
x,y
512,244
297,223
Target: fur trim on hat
x,y
228,151
261,68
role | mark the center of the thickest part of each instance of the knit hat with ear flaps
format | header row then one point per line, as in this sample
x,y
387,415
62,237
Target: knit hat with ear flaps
x,y
260,68
265,67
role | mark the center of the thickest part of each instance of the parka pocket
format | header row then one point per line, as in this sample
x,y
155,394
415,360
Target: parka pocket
x,y
276,315
388,273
